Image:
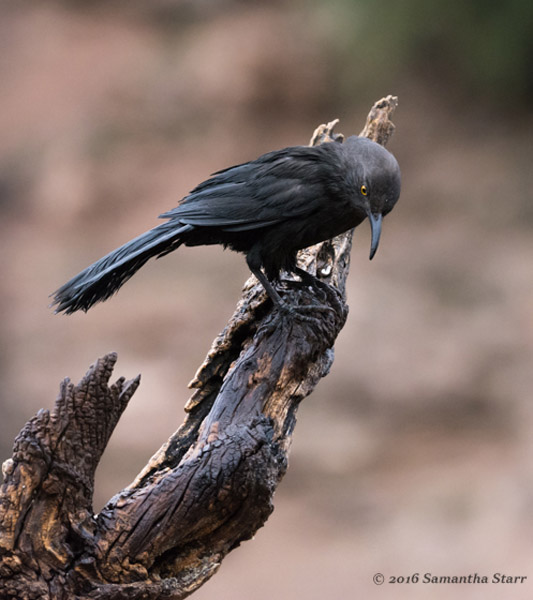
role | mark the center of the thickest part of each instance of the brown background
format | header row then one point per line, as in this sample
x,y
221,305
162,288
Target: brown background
x,y
415,453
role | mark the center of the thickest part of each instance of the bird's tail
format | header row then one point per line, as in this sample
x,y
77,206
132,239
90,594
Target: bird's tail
x,y
107,275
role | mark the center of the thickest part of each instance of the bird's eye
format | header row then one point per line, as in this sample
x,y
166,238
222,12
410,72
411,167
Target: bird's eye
x,y
364,190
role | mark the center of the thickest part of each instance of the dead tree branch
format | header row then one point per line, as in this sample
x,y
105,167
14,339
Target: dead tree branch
x,y
209,487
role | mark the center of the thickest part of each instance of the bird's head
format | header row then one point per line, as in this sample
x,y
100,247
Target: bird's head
x,y
376,181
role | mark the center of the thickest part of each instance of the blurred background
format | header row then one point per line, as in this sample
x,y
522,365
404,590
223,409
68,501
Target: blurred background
x,y
415,453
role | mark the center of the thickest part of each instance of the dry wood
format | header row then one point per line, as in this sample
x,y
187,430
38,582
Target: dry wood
x,y
210,486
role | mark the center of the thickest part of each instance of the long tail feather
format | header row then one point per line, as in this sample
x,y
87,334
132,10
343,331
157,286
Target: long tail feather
x,y
107,275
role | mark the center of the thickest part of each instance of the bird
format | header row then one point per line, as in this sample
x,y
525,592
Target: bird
x,y
267,209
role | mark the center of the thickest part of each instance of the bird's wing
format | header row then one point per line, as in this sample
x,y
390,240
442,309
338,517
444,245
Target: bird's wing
x,y
275,187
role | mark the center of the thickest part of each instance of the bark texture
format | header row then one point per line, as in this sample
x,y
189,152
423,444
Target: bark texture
x,y
209,487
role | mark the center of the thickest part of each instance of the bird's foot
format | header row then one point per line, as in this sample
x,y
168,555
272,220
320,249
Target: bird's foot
x,y
299,312
318,287
326,291
332,294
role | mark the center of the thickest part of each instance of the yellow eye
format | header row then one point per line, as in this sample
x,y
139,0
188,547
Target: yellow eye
x,y
364,190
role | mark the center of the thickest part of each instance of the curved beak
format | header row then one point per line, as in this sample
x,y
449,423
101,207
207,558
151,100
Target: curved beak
x,y
375,225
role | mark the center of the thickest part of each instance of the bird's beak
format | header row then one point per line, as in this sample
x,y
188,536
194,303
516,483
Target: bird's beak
x,y
375,225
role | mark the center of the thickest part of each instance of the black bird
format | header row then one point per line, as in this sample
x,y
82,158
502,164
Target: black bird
x,y
268,209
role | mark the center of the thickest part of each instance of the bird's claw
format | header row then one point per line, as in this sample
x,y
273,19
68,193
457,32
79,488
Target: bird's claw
x,y
298,311
324,290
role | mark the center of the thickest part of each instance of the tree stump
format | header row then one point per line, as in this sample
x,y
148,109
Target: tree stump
x,y
209,487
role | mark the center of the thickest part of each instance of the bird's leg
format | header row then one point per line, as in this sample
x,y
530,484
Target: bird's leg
x,y
308,280
330,291
280,304
269,288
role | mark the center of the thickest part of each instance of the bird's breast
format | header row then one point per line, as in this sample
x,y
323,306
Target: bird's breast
x,y
323,226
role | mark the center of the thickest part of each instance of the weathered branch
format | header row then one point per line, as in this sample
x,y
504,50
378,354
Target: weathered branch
x,y
209,487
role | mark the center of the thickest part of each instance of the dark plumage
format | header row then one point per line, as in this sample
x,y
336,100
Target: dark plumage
x,y
268,209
